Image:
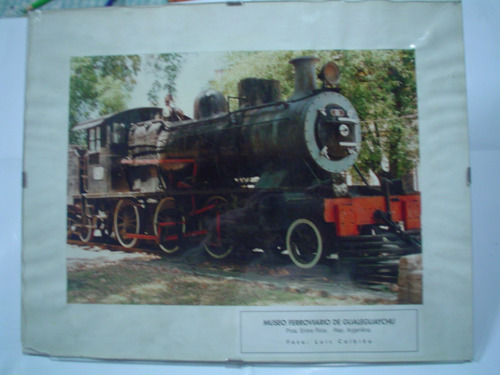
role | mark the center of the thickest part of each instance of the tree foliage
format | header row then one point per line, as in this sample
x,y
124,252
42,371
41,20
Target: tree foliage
x,y
382,88
97,81
100,85
165,67
380,84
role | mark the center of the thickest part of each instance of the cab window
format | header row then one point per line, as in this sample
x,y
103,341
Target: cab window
x,y
94,139
119,133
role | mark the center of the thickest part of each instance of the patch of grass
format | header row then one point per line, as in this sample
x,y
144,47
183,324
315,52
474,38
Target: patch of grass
x,y
95,285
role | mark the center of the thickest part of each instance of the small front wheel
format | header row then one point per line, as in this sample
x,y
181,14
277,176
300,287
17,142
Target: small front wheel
x,y
304,243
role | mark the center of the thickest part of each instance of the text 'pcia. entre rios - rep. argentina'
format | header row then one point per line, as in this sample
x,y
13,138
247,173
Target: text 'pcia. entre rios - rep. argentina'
x,y
342,331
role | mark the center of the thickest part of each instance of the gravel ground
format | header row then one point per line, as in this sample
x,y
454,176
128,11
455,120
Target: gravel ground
x,y
97,275
87,257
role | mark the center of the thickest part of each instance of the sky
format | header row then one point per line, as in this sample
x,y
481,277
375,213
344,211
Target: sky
x,y
197,70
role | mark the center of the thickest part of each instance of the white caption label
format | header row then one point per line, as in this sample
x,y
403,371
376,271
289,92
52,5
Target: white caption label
x,y
329,331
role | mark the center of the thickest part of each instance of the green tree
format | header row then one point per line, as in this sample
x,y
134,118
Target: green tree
x,y
100,85
165,68
381,85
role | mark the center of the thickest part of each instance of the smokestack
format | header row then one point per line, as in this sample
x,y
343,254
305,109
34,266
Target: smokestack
x,y
305,76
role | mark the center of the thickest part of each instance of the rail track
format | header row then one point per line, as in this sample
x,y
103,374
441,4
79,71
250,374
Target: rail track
x,y
371,261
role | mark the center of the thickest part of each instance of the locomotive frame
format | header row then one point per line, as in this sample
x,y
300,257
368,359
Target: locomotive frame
x,y
141,179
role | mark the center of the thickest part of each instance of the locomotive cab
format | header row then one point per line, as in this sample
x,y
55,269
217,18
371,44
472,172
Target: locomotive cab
x,y
107,145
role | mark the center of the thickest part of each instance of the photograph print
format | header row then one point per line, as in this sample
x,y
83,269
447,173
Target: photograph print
x,y
260,178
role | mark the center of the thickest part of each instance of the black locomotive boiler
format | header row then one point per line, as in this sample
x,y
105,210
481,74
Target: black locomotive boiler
x,y
270,174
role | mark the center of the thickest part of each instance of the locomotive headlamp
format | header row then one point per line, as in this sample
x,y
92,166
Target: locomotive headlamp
x,y
330,73
344,130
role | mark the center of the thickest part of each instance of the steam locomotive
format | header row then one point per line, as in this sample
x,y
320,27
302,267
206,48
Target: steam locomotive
x,y
269,174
